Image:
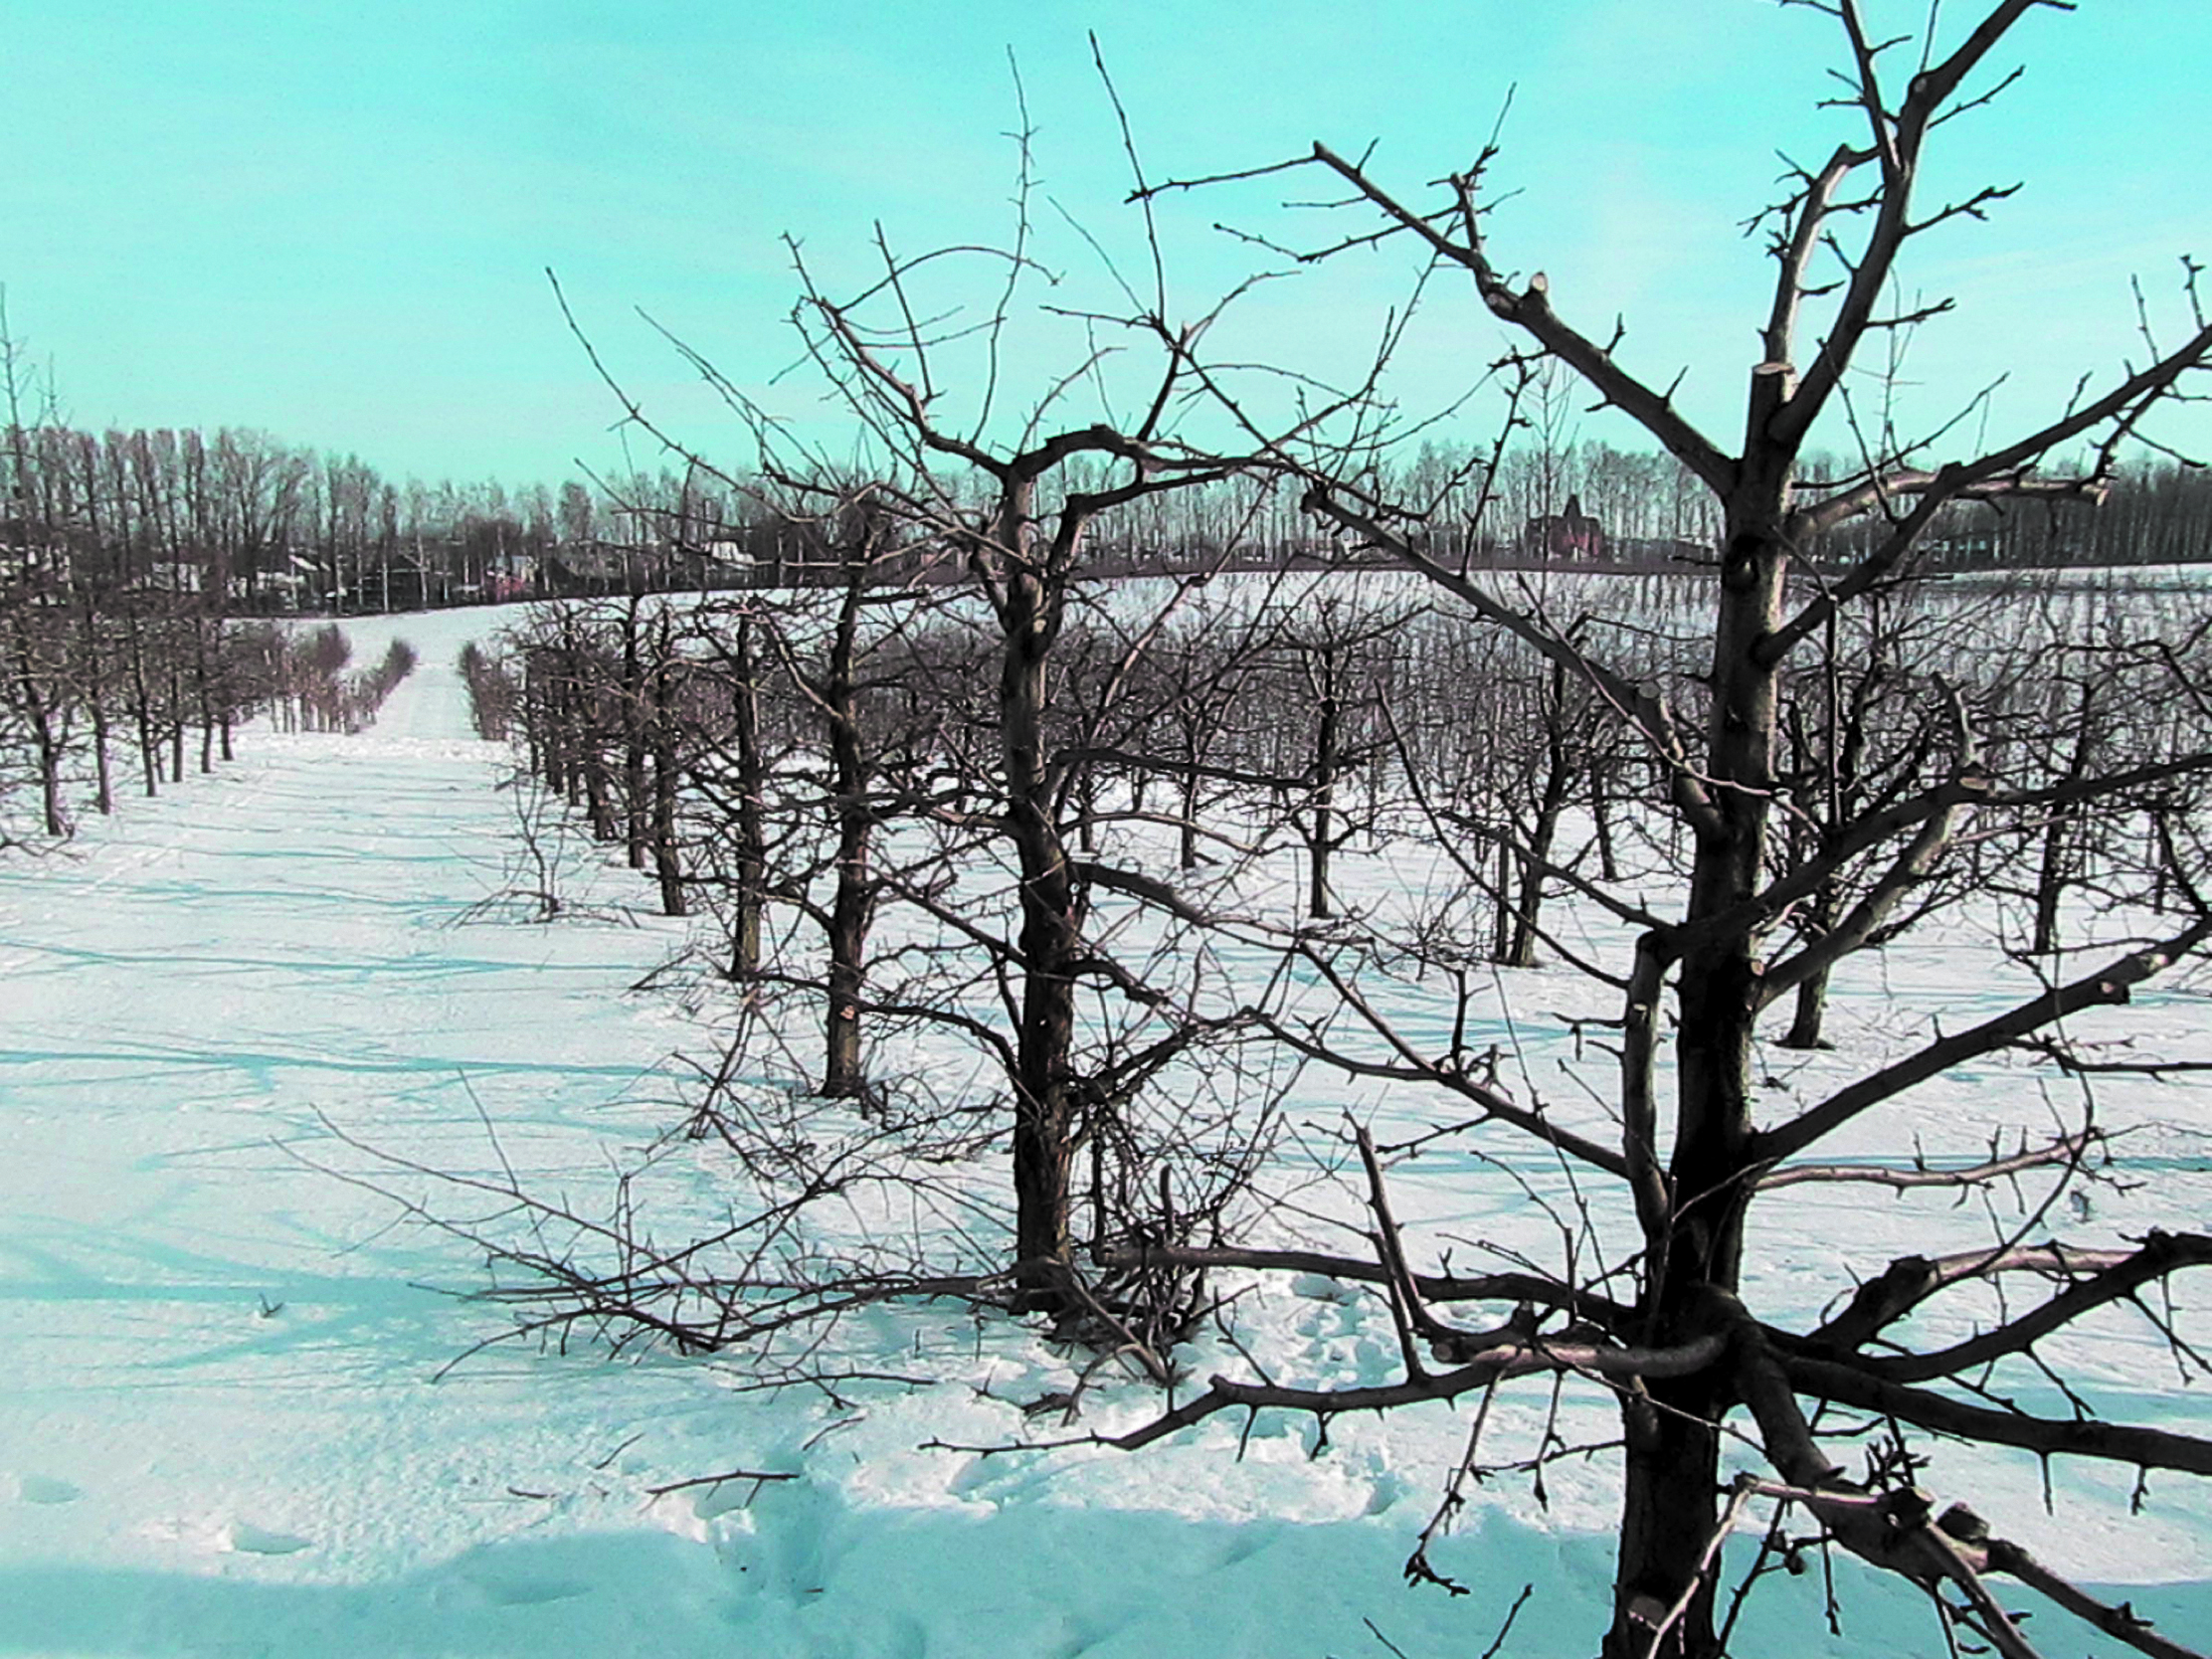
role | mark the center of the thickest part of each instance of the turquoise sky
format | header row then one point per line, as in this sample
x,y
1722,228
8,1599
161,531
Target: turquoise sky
x,y
332,221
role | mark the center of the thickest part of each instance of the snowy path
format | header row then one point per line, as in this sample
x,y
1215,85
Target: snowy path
x,y
217,1426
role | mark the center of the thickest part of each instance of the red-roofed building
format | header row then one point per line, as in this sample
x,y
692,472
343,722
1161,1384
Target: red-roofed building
x,y
1572,535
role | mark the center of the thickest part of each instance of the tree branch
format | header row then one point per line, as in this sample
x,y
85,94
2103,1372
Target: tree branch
x,y
1850,1383
2111,984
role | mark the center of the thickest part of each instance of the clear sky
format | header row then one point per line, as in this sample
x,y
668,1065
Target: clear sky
x,y
331,220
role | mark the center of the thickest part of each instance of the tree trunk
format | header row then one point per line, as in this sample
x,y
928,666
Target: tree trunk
x,y
843,1076
1501,912
1544,832
1186,829
598,790
1087,810
1602,818
751,894
141,708
1328,757
2055,870
1528,899
1694,1239
1668,1512
667,860
41,716
1810,1010
96,685
637,804
203,688
1049,946
176,723
852,903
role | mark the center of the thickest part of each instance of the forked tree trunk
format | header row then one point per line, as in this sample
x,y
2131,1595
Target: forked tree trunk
x,y
1544,829
39,711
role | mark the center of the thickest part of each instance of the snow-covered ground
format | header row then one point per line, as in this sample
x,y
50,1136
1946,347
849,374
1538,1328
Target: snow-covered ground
x,y
225,1425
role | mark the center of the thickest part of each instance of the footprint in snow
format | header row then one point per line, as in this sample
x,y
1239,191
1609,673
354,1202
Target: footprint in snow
x,y
44,1489
527,1591
246,1539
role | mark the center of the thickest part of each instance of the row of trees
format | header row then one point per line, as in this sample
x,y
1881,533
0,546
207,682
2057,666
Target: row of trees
x,y
984,808
757,753
80,688
96,704
1471,504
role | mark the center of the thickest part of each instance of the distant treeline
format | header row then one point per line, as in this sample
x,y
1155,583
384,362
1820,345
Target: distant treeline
x,y
252,524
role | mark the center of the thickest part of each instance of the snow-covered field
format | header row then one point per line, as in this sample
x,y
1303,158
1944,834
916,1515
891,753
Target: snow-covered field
x,y
225,1425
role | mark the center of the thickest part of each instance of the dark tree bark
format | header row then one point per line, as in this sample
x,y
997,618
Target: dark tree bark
x,y
852,893
635,726
749,896
665,726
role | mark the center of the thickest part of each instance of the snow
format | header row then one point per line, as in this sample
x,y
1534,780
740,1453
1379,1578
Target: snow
x,y
230,1420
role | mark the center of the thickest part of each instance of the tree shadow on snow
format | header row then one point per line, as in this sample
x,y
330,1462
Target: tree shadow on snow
x,y
800,1574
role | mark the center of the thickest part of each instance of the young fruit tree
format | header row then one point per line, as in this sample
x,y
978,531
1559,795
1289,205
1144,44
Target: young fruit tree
x,y
967,700
1715,946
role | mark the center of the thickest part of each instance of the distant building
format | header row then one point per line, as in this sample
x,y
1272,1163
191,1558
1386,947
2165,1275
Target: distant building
x,y
173,575
1572,534
34,553
589,566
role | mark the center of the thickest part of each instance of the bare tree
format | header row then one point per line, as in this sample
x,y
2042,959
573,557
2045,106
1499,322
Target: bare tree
x,y
1679,1350
1014,504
